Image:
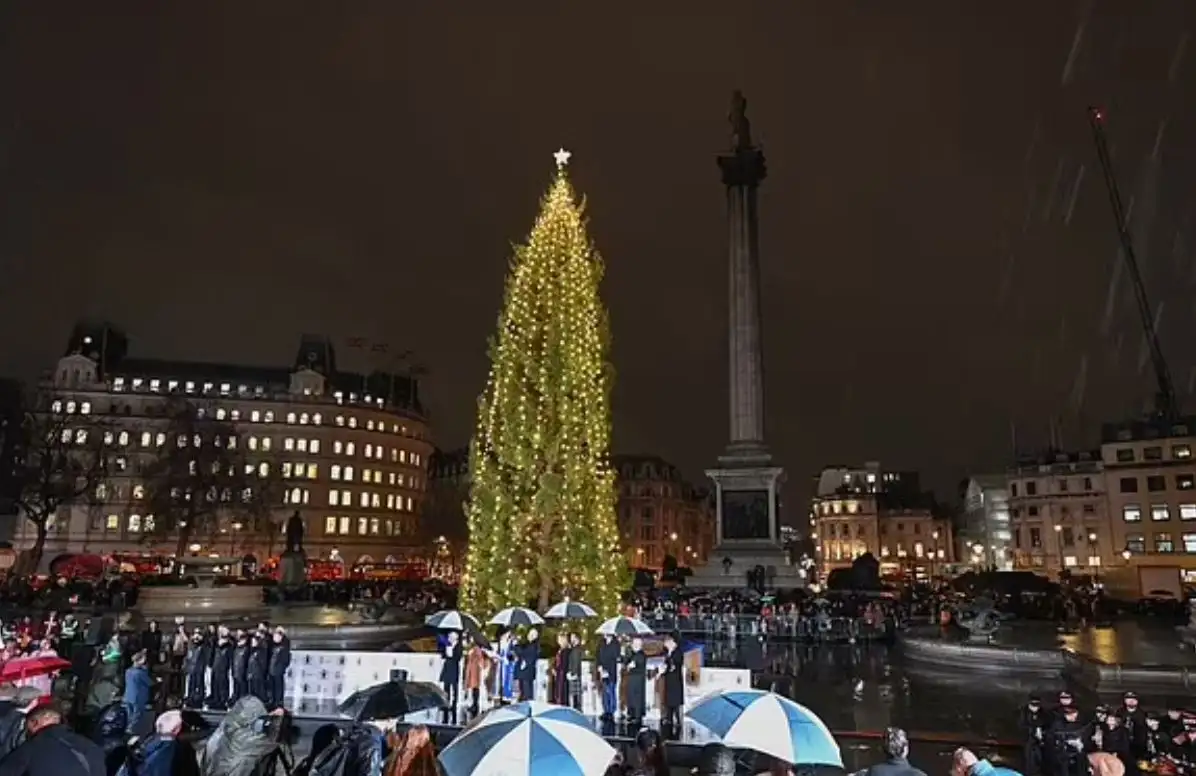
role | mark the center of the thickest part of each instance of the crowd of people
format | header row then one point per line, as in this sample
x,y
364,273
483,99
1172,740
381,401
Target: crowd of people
x,y
1059,741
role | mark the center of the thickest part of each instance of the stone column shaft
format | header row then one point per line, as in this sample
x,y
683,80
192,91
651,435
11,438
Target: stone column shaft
x,y
746,348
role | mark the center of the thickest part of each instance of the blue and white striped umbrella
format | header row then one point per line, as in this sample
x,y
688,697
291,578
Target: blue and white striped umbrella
x,y
528,739
767,723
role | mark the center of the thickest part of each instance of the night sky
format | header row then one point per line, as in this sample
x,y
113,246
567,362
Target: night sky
x,y
219,177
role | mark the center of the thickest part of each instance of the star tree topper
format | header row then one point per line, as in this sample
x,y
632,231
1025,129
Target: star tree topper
x,y
562,158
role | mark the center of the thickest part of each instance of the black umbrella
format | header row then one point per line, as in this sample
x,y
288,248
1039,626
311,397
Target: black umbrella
x,y
391,700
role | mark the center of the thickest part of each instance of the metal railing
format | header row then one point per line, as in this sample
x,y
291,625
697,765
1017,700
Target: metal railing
x,y
784,627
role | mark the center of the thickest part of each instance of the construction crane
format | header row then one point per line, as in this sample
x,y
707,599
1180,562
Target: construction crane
x,y
1166,404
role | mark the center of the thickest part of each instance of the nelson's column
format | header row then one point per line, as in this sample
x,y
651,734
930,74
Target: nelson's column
x,y
747,482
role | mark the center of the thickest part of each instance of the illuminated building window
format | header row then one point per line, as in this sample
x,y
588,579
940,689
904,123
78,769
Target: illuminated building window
x,y
291,417
172,386
1069,560
112,523
1131,513
334,498
329,525
335,472
344,525
369,450
268,417
353,421
317,419
1160,513
255,416
288,444
134,523
301,445
340,419
266,443
252,442
118,384
138,492
350,448
263,469
348,474
85,408
314,446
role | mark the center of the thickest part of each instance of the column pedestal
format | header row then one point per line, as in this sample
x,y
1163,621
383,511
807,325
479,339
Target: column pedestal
x,y
748,538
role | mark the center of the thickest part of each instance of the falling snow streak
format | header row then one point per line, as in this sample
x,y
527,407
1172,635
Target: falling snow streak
x,y
1053,191
1111,295
1079,386
1144,349
1115,351
1177,58
1077,43
1071,198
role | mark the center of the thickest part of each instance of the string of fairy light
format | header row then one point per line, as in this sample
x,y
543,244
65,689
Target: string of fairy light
x,y
541,509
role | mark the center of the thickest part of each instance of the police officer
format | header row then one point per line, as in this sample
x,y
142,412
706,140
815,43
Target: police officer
x,y
1066,742
1033,721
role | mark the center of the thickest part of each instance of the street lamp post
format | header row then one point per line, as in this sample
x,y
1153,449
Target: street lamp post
x,y
1059,547
1094,554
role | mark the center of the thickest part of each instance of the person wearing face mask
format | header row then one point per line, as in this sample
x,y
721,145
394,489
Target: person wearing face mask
x,y
280,661
637,678
259,662
1157,742
240,666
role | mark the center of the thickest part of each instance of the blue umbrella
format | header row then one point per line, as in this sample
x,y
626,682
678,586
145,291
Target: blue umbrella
x,y
528,739
767,723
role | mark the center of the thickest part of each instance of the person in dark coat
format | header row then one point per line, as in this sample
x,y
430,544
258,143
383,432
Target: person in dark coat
x,y
15,703
53,749
608,676
674,683
151,642
450,670
259,662
195,667
280,661
112,736
896,763
1033,721
573,671
221,668
240,667
1115,739
637,679
529,655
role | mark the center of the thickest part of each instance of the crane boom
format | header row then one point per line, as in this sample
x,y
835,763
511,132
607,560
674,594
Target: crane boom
x,y
1165,400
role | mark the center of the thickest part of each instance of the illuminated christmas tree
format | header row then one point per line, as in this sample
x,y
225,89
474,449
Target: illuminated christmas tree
x,y
541,508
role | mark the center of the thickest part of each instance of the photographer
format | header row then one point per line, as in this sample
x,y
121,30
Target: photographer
x,y
247,738
1065,745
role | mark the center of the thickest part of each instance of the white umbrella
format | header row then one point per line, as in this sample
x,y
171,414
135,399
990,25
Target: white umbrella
x,y
767,723
515,617
451,619
624,626
528,739
570,610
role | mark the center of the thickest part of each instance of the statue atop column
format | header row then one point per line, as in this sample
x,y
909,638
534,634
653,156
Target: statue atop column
x,y
295,533
741,128
293,562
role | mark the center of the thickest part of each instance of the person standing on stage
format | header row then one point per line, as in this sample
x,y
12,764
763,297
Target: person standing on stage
x,y
573,670
450,671
637,679
529,656
674,683
559,692
507,660
608,675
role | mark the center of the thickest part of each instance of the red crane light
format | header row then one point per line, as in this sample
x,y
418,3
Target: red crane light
x,y
1098,114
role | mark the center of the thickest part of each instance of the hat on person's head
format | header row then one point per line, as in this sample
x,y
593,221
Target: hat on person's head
x,y
1130,696
26,695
